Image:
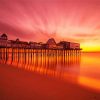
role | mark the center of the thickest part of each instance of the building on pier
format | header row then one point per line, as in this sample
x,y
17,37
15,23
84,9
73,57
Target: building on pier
x,y
69,45
9,43
17,44
59,46
32,44
50,44
3,40
72,45
63,44
4,37
35,45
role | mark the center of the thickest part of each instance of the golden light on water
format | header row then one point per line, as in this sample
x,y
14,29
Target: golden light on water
x,y
80,69
90,82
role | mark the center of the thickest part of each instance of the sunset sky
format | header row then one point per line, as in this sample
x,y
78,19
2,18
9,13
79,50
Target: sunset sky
x,y
38,20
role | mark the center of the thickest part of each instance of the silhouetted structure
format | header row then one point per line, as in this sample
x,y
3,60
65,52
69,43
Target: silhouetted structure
x,y
50,44
3,40
4,37
69,45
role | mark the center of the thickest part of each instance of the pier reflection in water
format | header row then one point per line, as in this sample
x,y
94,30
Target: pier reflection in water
x,y
63,64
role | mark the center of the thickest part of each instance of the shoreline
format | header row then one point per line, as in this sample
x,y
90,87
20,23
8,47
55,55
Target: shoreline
x,y
18,84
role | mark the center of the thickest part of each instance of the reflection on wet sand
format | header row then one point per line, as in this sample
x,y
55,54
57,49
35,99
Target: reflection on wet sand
x,y
57,64
47,76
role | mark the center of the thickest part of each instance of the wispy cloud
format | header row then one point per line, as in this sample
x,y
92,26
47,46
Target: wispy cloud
x,y
73,20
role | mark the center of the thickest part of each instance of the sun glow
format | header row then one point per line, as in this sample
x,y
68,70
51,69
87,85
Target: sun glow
x,y
90,46
35,20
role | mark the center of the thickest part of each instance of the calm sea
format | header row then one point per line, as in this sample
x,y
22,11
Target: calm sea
x,y
81,69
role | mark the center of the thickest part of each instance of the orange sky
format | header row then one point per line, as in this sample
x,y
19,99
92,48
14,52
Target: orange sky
x,y
39,20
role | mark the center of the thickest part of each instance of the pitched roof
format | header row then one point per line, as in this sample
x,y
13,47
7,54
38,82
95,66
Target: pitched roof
x,y
4,35
51,40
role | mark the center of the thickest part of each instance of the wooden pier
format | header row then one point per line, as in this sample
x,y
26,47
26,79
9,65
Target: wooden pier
x,y
5,52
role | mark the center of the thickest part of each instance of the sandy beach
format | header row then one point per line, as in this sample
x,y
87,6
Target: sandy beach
x,y
49,49
18,84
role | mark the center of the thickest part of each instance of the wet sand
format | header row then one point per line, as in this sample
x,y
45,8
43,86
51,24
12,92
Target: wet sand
x,y
18,84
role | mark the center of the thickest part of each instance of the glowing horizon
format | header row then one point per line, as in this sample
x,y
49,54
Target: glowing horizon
x,y
38,20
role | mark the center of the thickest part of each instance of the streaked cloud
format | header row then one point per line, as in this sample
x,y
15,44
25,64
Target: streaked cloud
x,y
38,20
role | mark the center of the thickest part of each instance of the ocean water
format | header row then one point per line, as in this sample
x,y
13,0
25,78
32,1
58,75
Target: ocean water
x,y
82,69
